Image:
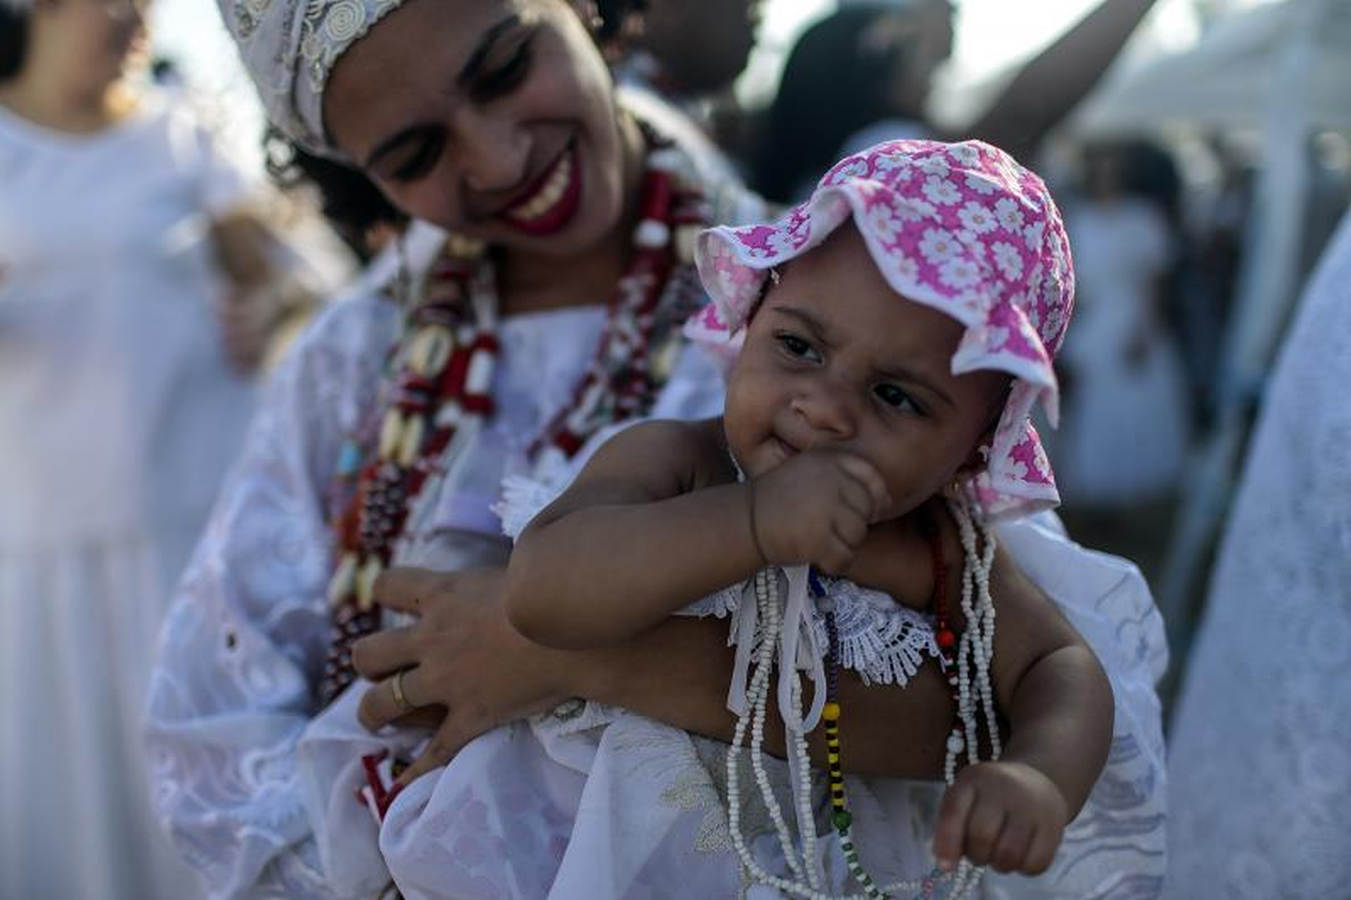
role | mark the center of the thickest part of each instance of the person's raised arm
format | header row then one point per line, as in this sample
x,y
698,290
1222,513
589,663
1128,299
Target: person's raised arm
x,y
1046,89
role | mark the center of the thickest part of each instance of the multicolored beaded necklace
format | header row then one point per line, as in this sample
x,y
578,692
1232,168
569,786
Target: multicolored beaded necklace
x,y
959,652
440,389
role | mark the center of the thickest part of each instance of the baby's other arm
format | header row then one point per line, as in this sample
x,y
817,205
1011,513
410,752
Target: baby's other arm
x,y
1011,814
655,521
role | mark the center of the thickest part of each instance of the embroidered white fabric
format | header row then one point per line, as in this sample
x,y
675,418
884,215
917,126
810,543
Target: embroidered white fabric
x,y
232,693
1261,747
879,639
1115,848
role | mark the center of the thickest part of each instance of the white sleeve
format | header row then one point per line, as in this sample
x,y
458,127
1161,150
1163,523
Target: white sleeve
x,y
1115,847
243,644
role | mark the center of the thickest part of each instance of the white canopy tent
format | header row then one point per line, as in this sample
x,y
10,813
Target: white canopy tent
x,y
1284,69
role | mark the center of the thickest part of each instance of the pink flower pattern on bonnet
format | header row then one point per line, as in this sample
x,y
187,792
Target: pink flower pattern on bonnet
x,y
962,228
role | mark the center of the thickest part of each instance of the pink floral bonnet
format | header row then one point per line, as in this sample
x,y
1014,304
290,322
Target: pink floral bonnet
x,y
961,228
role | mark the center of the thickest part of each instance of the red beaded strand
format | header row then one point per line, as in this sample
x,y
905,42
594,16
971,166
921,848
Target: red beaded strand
x,y
444,376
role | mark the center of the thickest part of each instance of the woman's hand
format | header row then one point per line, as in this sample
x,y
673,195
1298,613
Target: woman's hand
x,y
461,655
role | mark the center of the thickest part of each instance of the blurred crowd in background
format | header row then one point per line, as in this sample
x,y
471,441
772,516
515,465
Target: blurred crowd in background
x,y
1200,181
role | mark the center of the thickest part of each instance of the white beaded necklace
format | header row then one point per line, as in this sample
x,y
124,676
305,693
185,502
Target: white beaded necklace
x,y
974,692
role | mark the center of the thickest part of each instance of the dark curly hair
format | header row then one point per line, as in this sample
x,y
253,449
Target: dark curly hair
x,y
350,200
13,41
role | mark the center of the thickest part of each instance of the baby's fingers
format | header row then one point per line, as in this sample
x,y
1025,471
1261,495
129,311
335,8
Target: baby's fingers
x,y
982,831
1045,841
1010,852
950,832
836,553
866,474
849,530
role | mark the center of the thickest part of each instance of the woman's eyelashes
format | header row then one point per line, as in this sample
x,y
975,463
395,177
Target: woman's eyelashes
x,y
491,85
423,159
502,80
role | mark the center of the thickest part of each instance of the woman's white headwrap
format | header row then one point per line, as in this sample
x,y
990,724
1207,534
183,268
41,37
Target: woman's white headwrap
x,y
289,48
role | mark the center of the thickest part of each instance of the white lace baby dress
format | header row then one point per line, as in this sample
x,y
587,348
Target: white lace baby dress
x,y
596,801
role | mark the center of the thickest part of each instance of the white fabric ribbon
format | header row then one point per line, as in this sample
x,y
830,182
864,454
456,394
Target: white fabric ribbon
x,y
799,649
796,653
745,622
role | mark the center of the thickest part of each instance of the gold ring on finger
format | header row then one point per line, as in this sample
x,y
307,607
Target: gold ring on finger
x,y
400,698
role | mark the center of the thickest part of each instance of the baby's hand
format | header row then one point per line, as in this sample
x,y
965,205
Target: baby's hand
x,y
1003,814
816,508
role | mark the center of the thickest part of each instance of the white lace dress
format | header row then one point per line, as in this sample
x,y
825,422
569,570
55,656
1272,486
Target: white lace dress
x,y
1261,753
118,418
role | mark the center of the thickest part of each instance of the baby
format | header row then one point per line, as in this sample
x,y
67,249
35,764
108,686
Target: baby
x,y
898,330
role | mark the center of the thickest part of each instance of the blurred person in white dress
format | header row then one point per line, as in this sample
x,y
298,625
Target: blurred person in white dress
x,y
1260,762
1123,362
133,308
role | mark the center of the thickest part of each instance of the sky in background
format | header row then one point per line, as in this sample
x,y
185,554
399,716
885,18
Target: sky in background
x,y
992,36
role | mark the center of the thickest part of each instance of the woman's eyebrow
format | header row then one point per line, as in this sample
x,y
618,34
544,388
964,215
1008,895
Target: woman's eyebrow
x,y
468,73
474,64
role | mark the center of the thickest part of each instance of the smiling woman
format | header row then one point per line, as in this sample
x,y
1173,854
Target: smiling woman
x,y
552,312
509,136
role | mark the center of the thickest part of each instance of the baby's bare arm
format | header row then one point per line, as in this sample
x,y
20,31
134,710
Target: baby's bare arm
x,y
1051,687
1059,707
653,523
